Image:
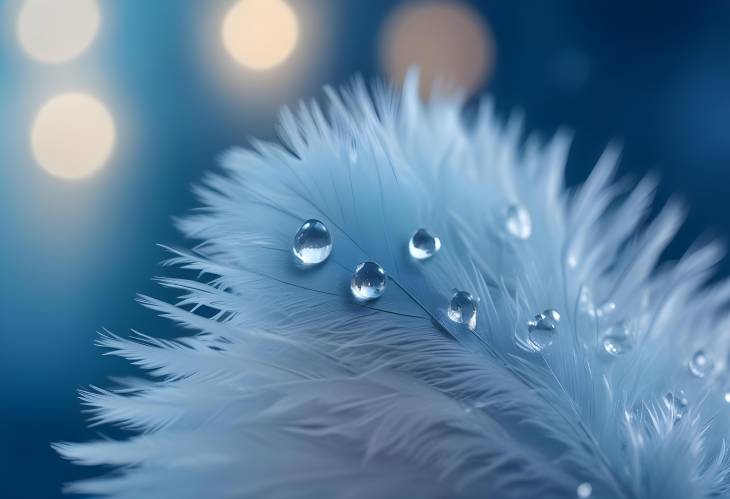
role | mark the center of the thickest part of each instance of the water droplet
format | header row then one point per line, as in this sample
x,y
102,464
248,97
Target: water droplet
x,y
542,329
368,281
677,404
518,222
312,243
727,397
423,244
700,365
584,490
617,340
606,309
463,309
613,345
585,301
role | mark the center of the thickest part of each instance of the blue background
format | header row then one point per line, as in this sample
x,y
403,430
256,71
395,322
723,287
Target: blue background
x,y
654,75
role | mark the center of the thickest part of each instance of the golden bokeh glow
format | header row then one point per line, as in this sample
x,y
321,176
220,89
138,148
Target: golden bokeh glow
x,y
260,34
56,31
448,40
73,135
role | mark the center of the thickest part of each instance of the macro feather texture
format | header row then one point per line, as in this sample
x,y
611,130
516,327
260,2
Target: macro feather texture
x,y
285,386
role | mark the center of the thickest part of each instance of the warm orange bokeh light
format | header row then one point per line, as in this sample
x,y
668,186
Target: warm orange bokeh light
x,y
55,31
260,34
449,41
73,135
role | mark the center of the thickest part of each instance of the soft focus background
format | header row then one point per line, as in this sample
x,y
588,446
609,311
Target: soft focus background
x,y
110,110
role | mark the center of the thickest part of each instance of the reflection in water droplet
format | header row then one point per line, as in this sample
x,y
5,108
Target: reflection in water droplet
x,y
423,244
518,222
463,309
368,281
312,243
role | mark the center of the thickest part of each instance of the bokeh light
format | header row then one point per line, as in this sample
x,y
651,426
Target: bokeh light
x,y
260,34
73,135
449,41
55,31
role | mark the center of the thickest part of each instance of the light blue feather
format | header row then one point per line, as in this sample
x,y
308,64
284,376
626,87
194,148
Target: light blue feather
x,y
291,389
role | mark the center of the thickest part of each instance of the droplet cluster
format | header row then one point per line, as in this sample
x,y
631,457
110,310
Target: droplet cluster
x,y
313,245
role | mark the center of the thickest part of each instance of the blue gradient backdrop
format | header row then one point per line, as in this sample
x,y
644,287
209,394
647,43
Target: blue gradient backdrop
x,y
654,75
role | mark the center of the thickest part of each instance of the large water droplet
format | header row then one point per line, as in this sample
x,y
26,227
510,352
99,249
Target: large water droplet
x,y
423,244
584,490
677,404
616,340
463,309
368,281
542,329
312,243
700,365
518,222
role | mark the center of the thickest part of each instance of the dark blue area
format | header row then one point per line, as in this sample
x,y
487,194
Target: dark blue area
x,y
653,75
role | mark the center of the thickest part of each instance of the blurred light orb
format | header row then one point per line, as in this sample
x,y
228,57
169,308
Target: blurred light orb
x,y
260,34
73,135
56,31
448,40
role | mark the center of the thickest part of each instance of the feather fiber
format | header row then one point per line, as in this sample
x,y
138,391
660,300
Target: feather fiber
x,y
283,386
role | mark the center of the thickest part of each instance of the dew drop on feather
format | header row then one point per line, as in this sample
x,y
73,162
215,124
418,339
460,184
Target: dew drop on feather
x,y
518,222
543,328
463,309
312,243
368,282
700,365
423,244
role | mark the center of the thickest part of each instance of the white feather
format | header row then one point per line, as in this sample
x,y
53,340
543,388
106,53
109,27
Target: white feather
x,y
292,389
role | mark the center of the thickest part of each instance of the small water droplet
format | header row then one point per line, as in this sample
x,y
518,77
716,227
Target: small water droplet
x,y
616,340
700,365
423,244
312,243
368,281
677,404
584,490
518,222
585,301
606,309
727,397
612,345
463,309
543,328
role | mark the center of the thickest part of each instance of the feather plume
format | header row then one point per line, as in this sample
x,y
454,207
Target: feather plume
x,y
285,386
